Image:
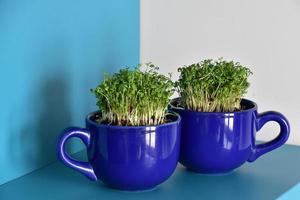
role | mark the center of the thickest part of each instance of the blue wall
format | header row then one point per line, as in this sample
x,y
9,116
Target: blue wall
x,y
51,53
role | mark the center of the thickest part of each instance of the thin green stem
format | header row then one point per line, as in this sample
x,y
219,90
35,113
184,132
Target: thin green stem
x,y
213,86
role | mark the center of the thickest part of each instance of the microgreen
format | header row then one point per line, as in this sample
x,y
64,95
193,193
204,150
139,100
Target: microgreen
x,y
134,97
213,86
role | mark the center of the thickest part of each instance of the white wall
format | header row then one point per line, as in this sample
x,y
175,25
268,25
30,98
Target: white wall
x,y
264,35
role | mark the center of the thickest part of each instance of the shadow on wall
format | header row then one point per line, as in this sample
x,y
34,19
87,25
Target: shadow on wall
x,y
57,96
54,114
50,61
47,111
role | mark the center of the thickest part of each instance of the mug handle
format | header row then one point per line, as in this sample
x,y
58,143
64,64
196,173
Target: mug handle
x,y
84,167
261,120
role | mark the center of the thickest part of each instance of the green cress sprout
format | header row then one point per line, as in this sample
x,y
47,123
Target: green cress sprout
x,y
134,97
213,86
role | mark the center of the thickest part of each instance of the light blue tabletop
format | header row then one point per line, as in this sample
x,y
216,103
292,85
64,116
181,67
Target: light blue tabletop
x,y
268,178
293,193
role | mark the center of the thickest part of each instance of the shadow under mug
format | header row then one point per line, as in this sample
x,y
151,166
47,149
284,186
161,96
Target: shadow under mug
x,y
219,142
125,157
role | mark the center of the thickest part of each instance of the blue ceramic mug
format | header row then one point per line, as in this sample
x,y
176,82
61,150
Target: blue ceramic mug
x,y
219,142
125,157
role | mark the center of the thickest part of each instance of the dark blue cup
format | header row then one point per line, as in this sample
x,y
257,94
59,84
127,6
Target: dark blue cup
x,y
219,142
125,157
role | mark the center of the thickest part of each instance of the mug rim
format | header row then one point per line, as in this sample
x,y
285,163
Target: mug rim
x,y
177,121
252,108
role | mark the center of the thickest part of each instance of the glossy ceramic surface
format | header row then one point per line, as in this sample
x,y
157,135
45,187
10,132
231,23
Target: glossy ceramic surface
x,y
125,157
216,142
